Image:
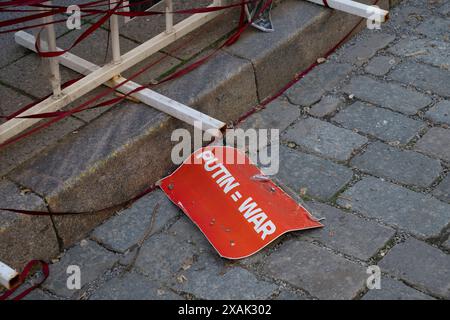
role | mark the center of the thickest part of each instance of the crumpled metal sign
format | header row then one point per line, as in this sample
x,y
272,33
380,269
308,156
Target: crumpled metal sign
x,y
238,211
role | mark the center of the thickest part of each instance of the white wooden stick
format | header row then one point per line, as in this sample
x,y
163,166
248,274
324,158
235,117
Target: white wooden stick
x,y
8,276
115,36
105,73
169,16
55,78
147,96
356,8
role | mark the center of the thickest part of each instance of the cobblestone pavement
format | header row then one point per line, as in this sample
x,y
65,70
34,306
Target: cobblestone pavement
x,y
366,138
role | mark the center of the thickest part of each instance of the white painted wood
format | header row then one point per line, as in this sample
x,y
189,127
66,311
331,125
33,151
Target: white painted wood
x,y
8,276
356,8
147,96
169,16
55,75
105,73
115,35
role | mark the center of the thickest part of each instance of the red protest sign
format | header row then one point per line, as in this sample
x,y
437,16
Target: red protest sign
x,y
223,194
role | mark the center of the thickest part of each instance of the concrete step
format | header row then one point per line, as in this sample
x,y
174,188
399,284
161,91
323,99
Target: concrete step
x,y
128,148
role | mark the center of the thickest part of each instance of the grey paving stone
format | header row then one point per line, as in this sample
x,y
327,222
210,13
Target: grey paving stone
x,y
395,290
94,48
366,47
381,65
403,166
316,270
144,28
408,16
381,123
325,139
347,233
445,9
322,79
288,295
38,295
420,265
208,278
446,244
205,36
226,90
415,212
31,73
423,76
436,28
298,26
326,106
23,237
162,256
440,112
18,153
132,286
320,178
442,191
185,230
11,101
10,50
429,51
278,114
123,231
388,95
436,142
92,260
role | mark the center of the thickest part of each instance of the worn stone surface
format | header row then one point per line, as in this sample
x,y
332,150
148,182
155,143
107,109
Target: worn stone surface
x,y
326,106
388,95
440,112
18,153
298,25
415,212
38,295
224,87
318,177
22,237
325,139
347,233
127,228
423,76
395,290
442,191
317,83
12,101
92,260
446,244
366,47
31,73
436,28
278,114
404,166
162,256
381,123
381,65
431,52
63,173
420,265
436,142
185,230
209,278
316,270
205,36
132,286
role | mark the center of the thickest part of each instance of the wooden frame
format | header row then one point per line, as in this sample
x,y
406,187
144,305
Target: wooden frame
x,y
109,74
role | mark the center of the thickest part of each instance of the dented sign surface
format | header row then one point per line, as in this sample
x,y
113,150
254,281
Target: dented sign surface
x,y
223,194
